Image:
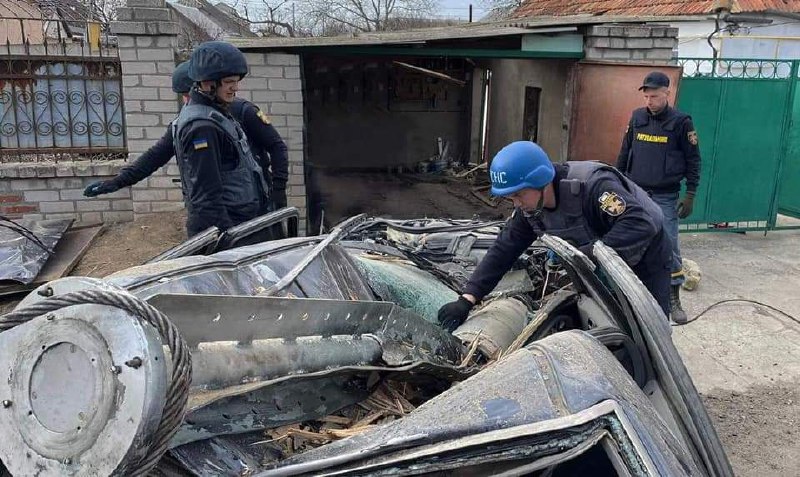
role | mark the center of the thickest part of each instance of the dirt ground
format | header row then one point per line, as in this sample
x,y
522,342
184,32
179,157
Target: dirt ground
x,y
402,196
759,428
124,245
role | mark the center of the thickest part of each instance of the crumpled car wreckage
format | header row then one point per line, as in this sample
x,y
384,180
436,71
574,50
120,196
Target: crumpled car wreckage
x,y
323,356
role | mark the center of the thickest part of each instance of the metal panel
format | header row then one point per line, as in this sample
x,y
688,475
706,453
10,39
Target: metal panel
x,y
605,96
789,195
563,43
739,108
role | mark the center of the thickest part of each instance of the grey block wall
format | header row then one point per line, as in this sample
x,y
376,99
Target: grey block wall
x,y
51,191
652,44
274,84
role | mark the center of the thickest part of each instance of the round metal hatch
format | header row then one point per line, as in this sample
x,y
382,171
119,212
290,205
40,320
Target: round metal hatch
x,y
71,404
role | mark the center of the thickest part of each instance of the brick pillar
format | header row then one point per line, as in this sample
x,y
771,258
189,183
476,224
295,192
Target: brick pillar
x,y
654,44
146,36
273,83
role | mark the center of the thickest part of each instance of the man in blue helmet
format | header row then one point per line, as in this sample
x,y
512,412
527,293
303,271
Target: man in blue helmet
x,y
265,142
581,202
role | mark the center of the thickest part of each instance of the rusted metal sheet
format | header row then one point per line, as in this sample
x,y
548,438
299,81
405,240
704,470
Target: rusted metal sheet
x,y
605,96
645,7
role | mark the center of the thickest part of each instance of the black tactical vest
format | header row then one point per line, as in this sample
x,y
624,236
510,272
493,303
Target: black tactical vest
x,y
568,220
244,191
657,162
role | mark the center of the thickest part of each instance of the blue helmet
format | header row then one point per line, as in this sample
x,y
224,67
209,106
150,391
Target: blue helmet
x,y
214,60
181,83
520,165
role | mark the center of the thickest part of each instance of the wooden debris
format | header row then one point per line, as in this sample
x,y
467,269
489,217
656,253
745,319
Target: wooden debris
x,y
388,402
432,73
372,417
345,421
345,433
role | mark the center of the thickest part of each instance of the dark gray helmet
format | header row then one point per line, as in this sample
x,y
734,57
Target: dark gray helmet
x,y
181,82
214,60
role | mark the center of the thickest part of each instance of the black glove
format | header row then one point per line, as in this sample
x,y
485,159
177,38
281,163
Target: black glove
x,y
454,313
279,198
588,250
102,187
686,206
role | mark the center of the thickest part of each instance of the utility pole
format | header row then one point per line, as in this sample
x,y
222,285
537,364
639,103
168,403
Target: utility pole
x,y
294,26
470,13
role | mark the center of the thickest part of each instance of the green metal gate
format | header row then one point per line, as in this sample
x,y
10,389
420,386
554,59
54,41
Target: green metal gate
x,y
742,112
789,186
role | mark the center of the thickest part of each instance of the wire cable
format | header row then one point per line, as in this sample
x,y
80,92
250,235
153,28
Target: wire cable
x,y
24,232
741,300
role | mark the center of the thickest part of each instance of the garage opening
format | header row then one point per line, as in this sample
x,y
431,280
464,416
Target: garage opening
x,y
400,136
382,131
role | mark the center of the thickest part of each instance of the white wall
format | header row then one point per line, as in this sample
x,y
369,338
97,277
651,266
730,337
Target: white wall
x,y
780,40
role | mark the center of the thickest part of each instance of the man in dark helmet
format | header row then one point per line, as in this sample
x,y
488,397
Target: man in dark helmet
x,y
223,185
265,142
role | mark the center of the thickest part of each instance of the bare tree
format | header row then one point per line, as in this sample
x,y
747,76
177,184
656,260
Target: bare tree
x,y
368,15
334,17
104,10
194,33
499,9
272,17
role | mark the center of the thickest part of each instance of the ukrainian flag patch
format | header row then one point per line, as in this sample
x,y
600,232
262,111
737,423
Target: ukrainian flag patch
x,y
200,144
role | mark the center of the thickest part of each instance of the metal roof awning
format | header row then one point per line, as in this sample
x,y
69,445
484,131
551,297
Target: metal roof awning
x,y
430,41
479,30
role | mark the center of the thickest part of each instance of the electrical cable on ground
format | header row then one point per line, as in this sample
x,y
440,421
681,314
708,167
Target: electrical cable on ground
x,y
741,300
25,232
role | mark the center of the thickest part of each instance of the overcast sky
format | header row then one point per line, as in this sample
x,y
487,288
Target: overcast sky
x,y
460,9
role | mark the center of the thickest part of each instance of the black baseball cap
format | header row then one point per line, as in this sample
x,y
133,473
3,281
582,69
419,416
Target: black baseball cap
x,y
655,79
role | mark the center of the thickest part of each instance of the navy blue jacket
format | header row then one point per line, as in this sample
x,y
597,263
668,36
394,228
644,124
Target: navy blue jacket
x,y
268,147
659,151
209,156
630,232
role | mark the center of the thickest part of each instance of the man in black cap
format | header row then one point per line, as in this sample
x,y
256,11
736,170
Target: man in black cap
x,y
659,150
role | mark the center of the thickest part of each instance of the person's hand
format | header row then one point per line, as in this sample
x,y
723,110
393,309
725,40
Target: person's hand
x,y
101,187
588,250
454,313
686,206
279,198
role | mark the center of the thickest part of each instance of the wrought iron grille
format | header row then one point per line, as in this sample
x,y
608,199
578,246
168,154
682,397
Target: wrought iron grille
x,y
60,95
736,68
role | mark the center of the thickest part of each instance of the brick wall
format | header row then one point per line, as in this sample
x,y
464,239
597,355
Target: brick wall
x,y
631,43
146,38
52,191
274,84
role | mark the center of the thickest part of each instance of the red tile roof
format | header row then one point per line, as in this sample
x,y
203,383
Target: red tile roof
x,y
535,8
